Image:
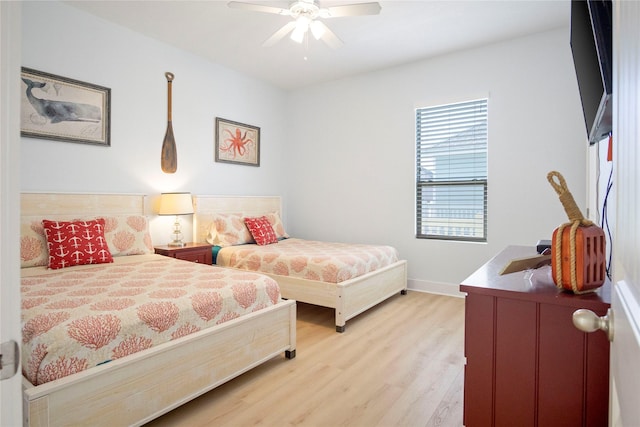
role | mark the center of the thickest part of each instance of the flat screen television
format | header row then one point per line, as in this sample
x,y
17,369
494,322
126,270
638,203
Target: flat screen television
x,y
591,47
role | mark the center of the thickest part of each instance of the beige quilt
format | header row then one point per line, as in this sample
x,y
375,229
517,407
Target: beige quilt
x,y
79,317
309,259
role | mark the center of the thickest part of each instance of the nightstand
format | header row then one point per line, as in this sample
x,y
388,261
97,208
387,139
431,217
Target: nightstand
x,y
194,252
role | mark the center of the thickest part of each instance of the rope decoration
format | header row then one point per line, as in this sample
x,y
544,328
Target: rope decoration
x,y
576,219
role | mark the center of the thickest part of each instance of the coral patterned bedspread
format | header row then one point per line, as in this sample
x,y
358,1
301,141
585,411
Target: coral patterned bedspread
x,y
309,259
78,317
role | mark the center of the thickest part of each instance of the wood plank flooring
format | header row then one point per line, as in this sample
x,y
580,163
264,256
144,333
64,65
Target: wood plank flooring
x,y
398,364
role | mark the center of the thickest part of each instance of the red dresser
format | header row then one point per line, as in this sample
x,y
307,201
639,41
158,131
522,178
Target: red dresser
x,y
526,364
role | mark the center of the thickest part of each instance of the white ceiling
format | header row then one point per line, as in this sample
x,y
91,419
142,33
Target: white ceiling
x,y
403,32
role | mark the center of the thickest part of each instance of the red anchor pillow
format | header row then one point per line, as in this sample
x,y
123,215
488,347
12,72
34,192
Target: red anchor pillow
x,y
261,230
76,243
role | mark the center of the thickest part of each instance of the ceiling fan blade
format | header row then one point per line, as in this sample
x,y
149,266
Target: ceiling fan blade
x,y
279,35
353,10
330,38
258,8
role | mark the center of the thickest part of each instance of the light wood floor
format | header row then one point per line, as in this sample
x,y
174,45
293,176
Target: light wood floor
x,y
398,364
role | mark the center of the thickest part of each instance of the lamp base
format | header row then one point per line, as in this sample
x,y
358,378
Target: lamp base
x,y
176,235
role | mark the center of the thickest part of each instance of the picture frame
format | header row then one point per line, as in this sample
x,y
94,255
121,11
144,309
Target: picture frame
x,y
63,109
237,143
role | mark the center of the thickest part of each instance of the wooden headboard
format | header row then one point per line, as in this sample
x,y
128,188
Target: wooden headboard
x,y
34,207
205,207
54,205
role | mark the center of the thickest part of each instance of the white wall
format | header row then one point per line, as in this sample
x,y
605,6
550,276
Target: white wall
x,y
352,150
62,40
601,192
342,154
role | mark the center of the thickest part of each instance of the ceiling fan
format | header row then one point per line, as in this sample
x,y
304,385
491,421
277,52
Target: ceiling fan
x,y
306,14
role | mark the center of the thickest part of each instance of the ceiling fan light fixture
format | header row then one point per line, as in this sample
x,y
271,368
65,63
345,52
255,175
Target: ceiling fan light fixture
x,y
317,29
302,26
305,14
297,35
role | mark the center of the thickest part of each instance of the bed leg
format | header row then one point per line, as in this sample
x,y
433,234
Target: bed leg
x,y
290,354
403,292
340,328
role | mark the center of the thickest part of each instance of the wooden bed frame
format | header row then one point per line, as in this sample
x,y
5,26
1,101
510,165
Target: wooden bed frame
x,y
140,387
348,298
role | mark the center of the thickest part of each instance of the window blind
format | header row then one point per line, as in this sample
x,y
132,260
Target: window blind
x,y
451,162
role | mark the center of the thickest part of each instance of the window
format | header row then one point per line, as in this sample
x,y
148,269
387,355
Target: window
x,y
451,171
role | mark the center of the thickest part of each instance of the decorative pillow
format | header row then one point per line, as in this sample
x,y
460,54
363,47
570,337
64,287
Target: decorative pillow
x,y
228,230
277,225
261,230
33,244
128,235
76,243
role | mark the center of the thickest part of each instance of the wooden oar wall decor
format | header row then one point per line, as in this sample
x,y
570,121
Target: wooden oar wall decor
x,y
169,158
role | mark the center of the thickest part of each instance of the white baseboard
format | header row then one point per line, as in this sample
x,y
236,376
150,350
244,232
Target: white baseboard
x,y
435,288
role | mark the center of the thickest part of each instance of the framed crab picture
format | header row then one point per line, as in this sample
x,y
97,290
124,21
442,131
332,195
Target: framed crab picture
x,y
237,143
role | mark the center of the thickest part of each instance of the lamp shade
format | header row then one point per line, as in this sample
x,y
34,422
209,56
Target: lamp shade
x,y
176,204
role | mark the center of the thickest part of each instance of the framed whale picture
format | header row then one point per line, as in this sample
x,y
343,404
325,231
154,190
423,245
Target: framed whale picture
x,y
63,109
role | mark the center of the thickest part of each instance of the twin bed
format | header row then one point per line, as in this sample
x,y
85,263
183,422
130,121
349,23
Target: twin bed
x,y
123,342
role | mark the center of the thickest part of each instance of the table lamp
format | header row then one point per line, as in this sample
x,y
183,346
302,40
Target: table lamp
x,y
176,204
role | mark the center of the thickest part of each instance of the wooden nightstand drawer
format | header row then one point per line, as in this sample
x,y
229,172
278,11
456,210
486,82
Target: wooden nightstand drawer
x,y
195,256
194,252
